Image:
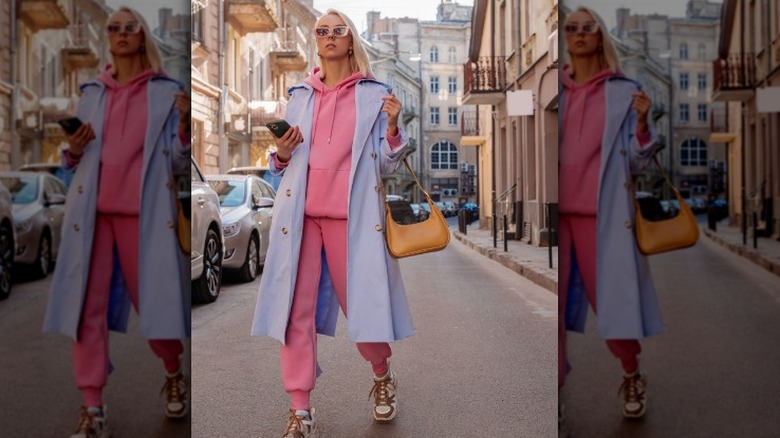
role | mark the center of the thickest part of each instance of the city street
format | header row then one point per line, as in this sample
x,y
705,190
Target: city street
x,y
712,372
482,362
38,394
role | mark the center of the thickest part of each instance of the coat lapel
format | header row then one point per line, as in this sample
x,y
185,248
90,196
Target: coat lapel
x,y
160,104
368,104
618,105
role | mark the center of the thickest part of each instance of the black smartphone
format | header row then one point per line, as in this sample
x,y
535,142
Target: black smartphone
x,y
278,127
70,125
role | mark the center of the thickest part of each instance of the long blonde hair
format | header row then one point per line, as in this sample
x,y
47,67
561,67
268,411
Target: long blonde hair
x,y
359,59
151,53
609,55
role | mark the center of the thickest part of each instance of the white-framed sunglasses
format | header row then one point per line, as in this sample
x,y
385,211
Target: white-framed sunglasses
x,y
131,27
336,31
587,28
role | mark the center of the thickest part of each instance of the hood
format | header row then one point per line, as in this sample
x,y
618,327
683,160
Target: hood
x,y
23,211
568,81
316,82
232,214
107,78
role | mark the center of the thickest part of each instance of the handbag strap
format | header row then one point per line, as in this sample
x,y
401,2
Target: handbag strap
x,y
665,175
427,197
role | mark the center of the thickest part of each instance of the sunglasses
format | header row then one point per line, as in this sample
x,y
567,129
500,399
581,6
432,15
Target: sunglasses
x,y
587,28
131,27
336,31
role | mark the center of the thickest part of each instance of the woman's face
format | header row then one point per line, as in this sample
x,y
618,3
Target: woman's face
x,y
583,34
334,38
125,34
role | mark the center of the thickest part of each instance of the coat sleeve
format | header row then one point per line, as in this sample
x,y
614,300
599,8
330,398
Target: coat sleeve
x,y
391,159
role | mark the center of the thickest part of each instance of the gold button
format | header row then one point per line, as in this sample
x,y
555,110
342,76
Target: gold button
x,y
284,230
76,227
288,192
376,189
373,155
623,152
81,189
628,224
378,228
170,224
165,152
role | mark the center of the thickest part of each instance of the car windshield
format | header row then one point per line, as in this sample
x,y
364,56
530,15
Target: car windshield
x,y
231,193
24,189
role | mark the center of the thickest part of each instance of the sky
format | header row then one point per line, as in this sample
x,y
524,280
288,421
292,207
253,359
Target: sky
x,y
149,8
607,8
356,10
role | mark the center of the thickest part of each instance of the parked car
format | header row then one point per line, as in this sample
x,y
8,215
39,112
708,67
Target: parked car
x,y
261,172
472,211
7,242
424,211
206,240
419,213
246,206
720,208
55,169
38,209
401,210
442,208
450,208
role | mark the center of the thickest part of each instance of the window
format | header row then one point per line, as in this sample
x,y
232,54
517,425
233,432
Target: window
x,y
683,112
453,55
434,54
197,22
434,84
453,115
452,86
693,152
684,51
702,112
683,81
434,115
702,52
702,82
444,156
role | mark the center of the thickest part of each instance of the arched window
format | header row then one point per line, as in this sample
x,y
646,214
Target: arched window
x,y
693,152
453,55
444,155
434,54
684,51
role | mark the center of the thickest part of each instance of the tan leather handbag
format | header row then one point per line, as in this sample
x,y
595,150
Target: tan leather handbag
x,y
432,234
655,237
182,228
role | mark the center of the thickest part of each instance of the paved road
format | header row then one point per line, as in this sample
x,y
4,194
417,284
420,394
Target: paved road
x,y
482,362
714,371
38,396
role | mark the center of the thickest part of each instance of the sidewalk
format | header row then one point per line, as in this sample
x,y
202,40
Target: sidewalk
x,y
766,255
529,261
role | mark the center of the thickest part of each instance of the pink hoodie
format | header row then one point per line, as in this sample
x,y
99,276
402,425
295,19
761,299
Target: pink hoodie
x,y
124,129
580,144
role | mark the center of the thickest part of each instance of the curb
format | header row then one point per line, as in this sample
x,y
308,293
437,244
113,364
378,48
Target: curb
x,y
492,253
746,252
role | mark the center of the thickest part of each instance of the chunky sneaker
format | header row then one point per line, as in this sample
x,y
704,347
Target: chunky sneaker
x,y
633,393
176,393
92,424
385,404
301,426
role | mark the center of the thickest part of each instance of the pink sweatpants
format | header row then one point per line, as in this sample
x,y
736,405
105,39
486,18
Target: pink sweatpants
x,y
90,352
578,233
299,354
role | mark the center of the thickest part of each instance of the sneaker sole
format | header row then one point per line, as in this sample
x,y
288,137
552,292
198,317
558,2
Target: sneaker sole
x,y
388,419
635,415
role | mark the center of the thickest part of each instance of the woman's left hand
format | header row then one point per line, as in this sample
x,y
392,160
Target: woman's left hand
x,y
183,105
392,107
642,106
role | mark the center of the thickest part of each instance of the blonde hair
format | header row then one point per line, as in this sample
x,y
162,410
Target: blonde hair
x,y
151,53
359,59
608,55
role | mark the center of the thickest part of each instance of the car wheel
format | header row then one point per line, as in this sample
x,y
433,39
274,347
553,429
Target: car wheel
x,y
206,288
43,261
251,265
6,259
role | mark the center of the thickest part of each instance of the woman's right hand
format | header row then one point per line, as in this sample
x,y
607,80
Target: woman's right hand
x,y
288,142
79,140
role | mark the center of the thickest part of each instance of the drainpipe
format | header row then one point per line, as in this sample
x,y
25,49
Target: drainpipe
x,y
222,160
15,144
743,113
495,130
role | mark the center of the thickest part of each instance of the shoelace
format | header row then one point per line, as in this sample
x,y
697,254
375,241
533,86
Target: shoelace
x,y
173,388
380,389
294,425
631,387
85,422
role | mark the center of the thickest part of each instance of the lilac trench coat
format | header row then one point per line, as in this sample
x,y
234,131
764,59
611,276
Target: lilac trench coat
x,y
626,302
164,290
376,300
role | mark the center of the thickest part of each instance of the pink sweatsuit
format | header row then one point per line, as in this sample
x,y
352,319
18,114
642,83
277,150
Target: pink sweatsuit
x,y
324,230
578,173
116,228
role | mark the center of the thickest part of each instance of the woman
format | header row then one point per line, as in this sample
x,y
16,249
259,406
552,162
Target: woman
x,y
605,136
327,247
120,218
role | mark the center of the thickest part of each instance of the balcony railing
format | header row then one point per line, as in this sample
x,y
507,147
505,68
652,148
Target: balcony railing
x,y
737,72
248,16
44,14
472,124
266,111
487,74
719,119
287,52
81,51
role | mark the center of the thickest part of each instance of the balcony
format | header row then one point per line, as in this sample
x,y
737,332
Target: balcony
x,y
248,16
473,128
287,53
44,14
82,50
262,112
719,124
409,113
485,81
735,78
